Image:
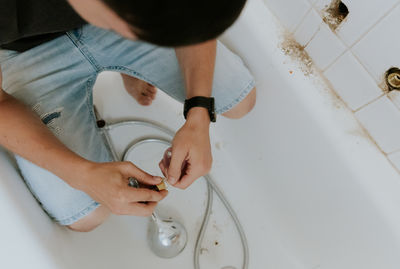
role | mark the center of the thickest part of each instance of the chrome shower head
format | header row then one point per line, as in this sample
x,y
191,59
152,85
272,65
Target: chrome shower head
x,y
166,238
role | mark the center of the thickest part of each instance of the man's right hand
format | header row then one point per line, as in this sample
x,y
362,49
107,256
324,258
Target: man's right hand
x,y
107,183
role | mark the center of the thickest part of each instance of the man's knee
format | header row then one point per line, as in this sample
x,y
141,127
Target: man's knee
x,y
243,107
92,221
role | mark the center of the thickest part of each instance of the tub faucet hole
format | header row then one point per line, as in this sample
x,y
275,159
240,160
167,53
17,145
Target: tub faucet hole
x,y
393,79
335,14
343,10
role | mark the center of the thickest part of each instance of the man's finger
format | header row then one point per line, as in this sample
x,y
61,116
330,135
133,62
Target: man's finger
x,y
130,170
163,169
143,195
186,181
175,167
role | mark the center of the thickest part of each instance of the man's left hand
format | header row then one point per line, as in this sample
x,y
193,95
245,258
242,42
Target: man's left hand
x,y
191,151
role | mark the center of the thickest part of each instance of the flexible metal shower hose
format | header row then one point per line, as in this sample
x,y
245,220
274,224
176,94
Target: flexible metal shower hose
x,y
211,186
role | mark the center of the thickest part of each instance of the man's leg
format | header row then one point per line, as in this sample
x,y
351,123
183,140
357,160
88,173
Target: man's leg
x,y
91,221
244,107
56,81
233,86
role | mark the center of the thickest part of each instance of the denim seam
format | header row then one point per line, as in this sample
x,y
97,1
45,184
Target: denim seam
x,y
244,93
85,52
84,212
92,115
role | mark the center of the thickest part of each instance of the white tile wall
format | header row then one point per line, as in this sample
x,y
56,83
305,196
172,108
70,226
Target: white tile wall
x,y
308,28
312,1
382,120
395,159
380,48
289,12
325,47
352,82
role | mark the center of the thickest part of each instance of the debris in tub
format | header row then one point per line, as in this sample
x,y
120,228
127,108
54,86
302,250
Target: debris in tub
x,y
216,227
218,145
216,243
335,14
203,251
296,52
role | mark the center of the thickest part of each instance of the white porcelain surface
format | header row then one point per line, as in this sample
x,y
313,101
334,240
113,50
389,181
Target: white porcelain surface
x,y
308,28
312,1
395,159
325,47
289,12
381,118
321,4
308,185
352,82
379,49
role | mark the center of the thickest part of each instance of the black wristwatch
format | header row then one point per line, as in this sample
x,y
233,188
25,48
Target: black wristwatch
x,y
201,101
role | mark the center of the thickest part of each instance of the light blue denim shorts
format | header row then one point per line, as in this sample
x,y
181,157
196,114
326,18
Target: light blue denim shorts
x,y
56,78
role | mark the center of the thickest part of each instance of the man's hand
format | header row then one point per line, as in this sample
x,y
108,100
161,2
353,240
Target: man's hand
x,y
107,183
191,151
23,133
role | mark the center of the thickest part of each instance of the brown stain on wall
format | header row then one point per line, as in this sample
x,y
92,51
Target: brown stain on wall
x,y
332,15
302,59
296,52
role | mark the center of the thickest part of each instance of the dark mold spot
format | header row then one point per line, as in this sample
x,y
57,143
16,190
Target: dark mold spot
x,y
335,14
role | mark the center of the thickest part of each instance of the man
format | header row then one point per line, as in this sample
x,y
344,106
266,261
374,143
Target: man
x,y
50,59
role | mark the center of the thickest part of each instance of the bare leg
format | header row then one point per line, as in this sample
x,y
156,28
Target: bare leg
x,y
90,222
243,107
143,92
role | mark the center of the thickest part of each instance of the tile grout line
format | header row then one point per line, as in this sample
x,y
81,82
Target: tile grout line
x,y
302,20
313,36
335,60
369,103
365,68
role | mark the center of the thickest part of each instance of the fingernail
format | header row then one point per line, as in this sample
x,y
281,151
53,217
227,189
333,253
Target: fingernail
x,y
172,180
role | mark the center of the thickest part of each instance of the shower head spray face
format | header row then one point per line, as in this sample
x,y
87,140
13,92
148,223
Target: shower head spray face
x,y
166,238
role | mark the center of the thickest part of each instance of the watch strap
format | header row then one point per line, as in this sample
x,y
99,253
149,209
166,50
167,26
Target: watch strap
x,y
201,101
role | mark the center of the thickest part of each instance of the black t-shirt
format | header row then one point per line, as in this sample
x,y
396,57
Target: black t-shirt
x,y
25,24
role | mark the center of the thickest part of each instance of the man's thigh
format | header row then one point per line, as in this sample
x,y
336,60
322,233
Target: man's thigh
x,y
56,80
159,66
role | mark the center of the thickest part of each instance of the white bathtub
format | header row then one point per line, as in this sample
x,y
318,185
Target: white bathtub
x,y
312,191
